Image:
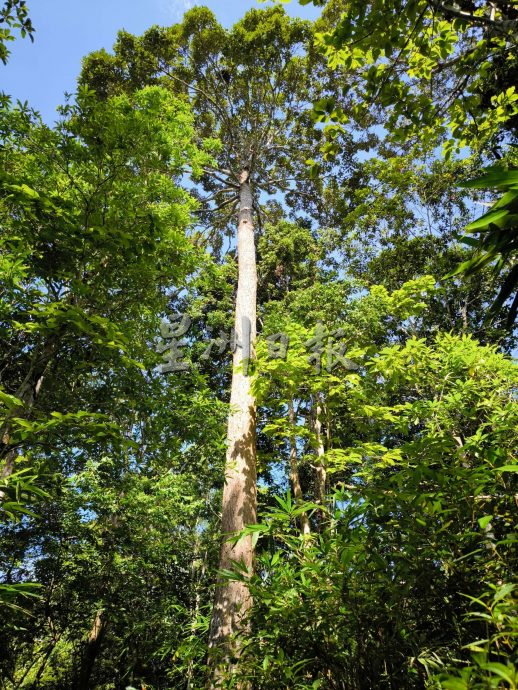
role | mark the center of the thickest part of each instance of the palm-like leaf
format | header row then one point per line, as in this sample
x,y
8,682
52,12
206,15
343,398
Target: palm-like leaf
x,y
497,237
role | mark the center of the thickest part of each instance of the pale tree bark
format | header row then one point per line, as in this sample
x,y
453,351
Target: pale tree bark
x,y
27,393
232,599
294,470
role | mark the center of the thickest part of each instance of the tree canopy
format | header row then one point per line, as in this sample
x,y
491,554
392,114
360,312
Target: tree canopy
x,y
257,395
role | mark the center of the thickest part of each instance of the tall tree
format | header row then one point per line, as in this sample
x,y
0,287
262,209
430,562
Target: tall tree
x,y
250,87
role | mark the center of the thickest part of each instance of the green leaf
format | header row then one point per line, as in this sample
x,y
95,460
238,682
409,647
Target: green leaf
x,y
502,178
487,219
503,591
505,672
484,521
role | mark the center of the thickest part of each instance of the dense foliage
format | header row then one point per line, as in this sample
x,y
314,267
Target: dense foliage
x,y
386,430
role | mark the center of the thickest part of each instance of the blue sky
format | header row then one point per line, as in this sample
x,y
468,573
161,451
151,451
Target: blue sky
x,y
67,30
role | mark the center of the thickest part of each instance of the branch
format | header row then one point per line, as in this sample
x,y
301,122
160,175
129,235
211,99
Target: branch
x,y
454,61
208,199
256,207
233,200
223,170
201,91
503,25
211,173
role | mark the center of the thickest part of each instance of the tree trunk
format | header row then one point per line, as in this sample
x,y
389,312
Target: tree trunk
x,y
27,392
232,599
91,651
44,663
294,470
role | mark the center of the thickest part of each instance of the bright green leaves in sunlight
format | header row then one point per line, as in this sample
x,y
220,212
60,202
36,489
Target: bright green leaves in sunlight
x,y
433,69
93,233
386,423
421,507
